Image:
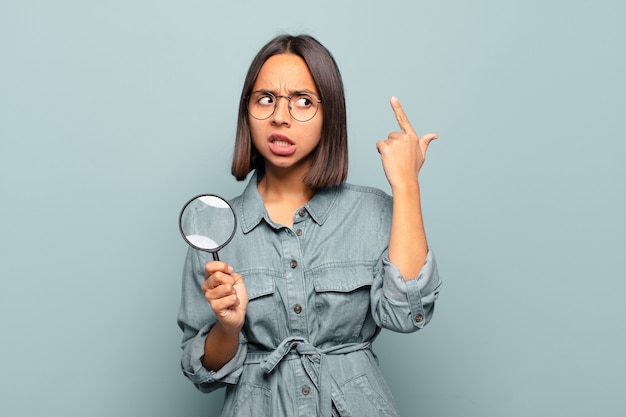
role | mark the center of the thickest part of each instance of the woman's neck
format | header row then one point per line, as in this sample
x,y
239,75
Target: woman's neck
x,y
283,195
273,187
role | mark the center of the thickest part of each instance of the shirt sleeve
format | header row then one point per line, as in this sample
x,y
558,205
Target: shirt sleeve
x,y
195,319
405,306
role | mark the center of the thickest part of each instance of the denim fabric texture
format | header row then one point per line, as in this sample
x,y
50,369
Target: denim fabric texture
x,y
319,294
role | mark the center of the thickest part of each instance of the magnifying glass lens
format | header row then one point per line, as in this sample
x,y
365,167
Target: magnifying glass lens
x,y
207,222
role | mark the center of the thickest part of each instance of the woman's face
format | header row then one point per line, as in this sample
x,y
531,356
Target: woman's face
x,y
284,142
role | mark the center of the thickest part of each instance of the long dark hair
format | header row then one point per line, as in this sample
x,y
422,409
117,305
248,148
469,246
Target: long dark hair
x,y
330,159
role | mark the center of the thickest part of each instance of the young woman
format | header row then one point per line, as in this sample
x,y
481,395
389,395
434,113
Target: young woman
x,y
317,266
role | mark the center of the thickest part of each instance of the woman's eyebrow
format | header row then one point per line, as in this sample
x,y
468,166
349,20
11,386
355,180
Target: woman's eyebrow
x,y
290,92
303,91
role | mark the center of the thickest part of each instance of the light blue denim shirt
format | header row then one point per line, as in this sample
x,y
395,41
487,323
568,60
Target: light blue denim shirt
x,y
319,293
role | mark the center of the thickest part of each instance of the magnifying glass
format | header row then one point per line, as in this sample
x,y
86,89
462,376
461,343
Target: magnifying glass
x,y
207,223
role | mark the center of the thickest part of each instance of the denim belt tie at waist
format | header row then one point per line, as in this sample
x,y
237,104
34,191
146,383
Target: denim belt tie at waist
x,y
312,362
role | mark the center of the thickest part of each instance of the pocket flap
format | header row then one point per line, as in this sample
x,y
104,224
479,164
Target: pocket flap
x,y
343,279
259,285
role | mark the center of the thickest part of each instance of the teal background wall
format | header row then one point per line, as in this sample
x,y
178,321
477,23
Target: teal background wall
x,y
113,114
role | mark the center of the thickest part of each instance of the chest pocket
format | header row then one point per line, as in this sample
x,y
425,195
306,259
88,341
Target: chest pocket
x,y
342,302
261,324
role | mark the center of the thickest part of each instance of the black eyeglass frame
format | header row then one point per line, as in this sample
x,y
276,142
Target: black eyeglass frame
x,y
277,97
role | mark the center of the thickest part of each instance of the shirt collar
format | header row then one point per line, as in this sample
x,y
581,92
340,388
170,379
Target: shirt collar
x,y
252,210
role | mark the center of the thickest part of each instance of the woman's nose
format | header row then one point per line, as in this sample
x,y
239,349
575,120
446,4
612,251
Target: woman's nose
x,y
281,113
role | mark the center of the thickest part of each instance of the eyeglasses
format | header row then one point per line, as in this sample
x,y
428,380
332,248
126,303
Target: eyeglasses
x,y
302,106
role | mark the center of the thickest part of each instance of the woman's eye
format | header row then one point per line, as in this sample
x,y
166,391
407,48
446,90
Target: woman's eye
x,y
303,101
265,100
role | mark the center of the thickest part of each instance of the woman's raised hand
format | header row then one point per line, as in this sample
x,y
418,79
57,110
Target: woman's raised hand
x,y
403,152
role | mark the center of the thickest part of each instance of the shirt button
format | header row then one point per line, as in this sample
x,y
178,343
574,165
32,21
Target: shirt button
x,y
419,318
298,232
293,264
302,212
297,308
306,390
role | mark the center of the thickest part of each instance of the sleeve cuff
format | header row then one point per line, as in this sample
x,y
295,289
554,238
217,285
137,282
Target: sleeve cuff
x,y
204,379
420,293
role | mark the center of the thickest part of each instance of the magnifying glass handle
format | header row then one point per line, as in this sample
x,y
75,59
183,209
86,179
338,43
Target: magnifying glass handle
x,y
215,257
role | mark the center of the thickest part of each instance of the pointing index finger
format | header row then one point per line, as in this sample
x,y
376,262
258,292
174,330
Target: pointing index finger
x,y
403,121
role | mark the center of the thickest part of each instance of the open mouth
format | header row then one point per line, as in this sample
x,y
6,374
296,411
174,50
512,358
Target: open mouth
x,y
281,145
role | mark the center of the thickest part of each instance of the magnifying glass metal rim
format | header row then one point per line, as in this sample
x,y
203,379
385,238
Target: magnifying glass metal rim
x,y
216,249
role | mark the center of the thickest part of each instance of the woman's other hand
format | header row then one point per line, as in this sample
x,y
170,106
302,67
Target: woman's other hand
x,y
226,293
